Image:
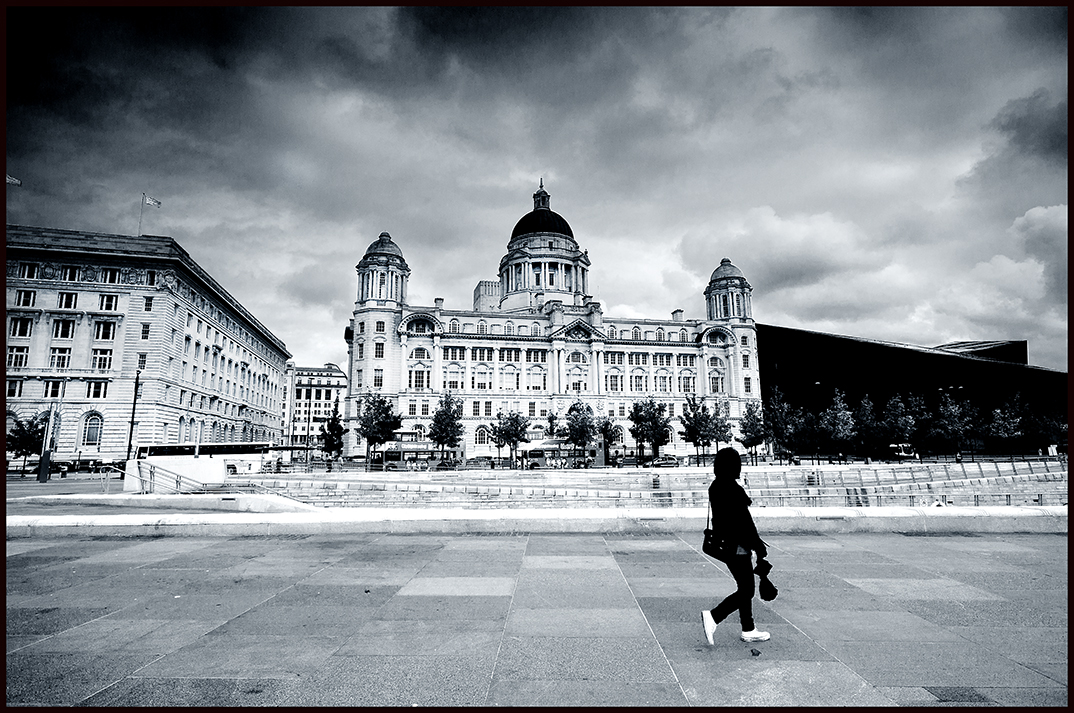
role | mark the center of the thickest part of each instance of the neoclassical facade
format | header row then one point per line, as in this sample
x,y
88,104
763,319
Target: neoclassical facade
x,y
89,315
535,342
308,401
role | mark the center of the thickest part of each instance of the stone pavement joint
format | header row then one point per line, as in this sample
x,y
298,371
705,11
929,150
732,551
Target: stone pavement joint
x,y
538,618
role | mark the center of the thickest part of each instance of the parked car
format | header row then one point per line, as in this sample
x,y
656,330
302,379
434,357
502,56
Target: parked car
x,y
665,462
448,464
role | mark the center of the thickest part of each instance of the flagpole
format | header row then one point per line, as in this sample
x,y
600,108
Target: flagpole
x,y
141,209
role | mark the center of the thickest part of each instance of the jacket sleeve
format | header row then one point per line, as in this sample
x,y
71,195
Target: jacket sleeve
x,y
731,517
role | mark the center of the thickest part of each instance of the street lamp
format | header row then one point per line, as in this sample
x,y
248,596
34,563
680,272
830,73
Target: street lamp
x,y
134,406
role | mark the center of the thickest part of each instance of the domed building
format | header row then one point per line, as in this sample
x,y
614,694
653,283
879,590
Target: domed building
x,y
534,341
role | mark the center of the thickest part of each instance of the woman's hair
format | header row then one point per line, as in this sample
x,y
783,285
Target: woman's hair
x,y
728,464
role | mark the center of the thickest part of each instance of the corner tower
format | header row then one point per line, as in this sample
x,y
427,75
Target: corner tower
x,y
543,261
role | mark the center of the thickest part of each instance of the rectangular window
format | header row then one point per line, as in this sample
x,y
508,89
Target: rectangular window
x,y
108,303
622,410
413,409
745,361
613,357
358,378
663,383
21,327
28,271
361,351
417,379
361,328
746,383
69,273
109,275
54,389
482,354
533,408
716,384
687,384
378,350
151,279
59,358
68,300
141,361
488,408
25,298
684,360
145,331
424,408
102,359
380,326
661,359
454,353
104,331
378,378
97,390
510,355
613,382
639,382
148,304
14,388
536,356
636,359
477,408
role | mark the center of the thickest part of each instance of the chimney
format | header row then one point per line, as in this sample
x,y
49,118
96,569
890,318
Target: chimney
x,y
676,316
439,305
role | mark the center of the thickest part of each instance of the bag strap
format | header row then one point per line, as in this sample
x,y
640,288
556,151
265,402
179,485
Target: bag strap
x,y
708,510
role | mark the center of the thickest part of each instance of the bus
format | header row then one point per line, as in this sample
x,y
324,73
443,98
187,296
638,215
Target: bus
x,y
204,449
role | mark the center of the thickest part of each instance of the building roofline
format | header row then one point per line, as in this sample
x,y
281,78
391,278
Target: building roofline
x,y
156,247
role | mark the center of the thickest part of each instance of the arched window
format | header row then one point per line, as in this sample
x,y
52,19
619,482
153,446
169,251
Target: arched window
x,y
576,358
482,328
660,335
91,430
420,431
419,353
611,332
481,438
716,338
682,335
535,329
453,327
716,362
509,329
635,334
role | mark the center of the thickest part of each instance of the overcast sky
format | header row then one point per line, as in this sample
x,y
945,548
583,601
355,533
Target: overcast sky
x,y
891,174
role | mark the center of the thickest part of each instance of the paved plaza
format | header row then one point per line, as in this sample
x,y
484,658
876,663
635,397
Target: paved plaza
x,y
420,619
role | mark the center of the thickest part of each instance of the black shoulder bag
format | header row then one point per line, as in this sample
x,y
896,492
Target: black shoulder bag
x,y
714,546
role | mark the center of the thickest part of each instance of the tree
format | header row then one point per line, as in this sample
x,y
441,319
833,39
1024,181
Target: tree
x,y
650,425
867,427
1005,424
696,424
753,428
512,427
837,423
332,433
581,429
446,430
608,431
897,424
953,421
378,422
555,429
782,420
25,437
719,427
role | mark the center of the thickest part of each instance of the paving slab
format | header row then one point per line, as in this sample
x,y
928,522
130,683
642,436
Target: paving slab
x,y
557,619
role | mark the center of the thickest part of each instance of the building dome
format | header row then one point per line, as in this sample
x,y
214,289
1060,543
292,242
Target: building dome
x,y
384,246
542,219
726,269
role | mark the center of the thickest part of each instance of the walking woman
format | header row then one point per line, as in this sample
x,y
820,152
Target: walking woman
x,y
731,520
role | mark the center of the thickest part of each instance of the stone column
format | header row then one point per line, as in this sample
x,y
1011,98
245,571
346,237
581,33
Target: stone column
x,y
438,365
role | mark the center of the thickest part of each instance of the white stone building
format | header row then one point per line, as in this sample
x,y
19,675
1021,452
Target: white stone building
x,y
312,393
89,313
535,342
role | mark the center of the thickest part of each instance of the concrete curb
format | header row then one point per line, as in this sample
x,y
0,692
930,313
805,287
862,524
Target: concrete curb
x,y
1050,519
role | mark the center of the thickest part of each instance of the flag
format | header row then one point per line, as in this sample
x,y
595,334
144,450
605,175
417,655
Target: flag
x,y
151,201
13,181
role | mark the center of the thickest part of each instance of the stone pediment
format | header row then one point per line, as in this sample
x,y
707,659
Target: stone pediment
x,y
577,331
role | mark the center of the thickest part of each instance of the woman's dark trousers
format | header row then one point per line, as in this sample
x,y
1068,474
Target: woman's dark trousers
x,y
741,567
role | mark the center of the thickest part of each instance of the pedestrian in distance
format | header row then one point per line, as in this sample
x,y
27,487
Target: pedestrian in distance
x,y
732,523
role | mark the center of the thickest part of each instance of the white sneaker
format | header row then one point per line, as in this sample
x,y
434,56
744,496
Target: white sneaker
x,y
710,625
756,635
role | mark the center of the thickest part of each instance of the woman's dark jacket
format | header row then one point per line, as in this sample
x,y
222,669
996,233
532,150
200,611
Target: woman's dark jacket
x,y
731,517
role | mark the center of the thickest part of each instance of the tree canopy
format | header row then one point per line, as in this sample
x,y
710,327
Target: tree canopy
x,y
377,422
446,429
332,433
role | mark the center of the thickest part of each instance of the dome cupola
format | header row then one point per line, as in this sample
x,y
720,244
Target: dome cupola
x,y
542,219
382,272
728,294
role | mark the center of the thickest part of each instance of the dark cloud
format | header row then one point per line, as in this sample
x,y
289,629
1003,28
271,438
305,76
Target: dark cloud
x,y
1038,25
1036,126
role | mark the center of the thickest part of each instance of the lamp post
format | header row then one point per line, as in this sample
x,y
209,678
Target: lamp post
x,y
134,406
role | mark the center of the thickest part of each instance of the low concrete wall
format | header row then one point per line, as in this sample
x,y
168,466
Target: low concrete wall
x,y
688,522
205,470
